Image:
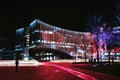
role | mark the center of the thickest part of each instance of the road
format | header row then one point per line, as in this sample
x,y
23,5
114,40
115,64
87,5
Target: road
x,y
50,71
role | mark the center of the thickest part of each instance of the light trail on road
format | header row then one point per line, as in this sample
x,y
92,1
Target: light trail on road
x,y
76,73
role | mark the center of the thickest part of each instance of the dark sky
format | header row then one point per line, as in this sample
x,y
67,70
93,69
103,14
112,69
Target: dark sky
x,y
68,14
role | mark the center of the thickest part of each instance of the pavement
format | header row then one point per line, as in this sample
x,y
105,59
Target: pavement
x,y
96,75
44,71
21,62
34,70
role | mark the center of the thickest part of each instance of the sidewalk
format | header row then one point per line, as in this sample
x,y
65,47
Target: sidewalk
x,y
21,63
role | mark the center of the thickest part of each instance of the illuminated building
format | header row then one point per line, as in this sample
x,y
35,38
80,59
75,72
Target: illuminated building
x,y
48,42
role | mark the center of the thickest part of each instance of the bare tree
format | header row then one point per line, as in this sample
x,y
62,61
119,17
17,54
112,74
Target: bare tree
x,y
92,26
92,22
117,12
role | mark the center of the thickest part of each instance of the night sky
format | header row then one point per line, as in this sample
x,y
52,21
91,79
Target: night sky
x,y
68,14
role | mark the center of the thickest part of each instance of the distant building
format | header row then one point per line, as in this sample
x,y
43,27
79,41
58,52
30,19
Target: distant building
x,y
7,47
116,36
7,54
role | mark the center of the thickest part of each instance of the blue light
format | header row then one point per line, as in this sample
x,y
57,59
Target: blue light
x,y
32,24
20,31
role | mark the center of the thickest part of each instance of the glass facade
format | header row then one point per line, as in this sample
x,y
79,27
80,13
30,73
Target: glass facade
x,y
19,39
45,39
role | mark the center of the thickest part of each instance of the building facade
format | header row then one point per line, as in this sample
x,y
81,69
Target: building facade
x,y
47,42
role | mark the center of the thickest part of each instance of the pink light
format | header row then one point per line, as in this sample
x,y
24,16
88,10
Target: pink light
x,y
76,73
